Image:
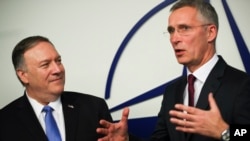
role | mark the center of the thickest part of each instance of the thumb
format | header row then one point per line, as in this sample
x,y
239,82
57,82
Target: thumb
x,y
212,102
125,114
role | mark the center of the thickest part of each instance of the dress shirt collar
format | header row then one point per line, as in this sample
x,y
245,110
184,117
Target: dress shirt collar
x,y
56,105
203,72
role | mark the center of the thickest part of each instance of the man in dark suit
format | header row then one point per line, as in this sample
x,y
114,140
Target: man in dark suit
x,y
220,95
39,68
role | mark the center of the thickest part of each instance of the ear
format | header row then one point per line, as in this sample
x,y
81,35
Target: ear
x,y
22,75
212,32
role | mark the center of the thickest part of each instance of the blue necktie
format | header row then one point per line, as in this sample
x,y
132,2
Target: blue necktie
x,y
52,130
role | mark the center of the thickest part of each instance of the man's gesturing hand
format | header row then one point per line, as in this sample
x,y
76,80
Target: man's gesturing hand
x,y
193,120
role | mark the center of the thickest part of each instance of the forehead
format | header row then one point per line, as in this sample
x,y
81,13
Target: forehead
x,y
184,15
41,51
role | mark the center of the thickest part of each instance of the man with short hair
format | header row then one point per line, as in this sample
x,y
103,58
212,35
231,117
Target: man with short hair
x,y
75,116
219,95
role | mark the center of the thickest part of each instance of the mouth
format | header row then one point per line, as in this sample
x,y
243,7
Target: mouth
x,y
179,52
56,79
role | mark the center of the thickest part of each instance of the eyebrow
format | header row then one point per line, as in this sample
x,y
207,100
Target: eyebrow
x,y
169,28
179,25
48,60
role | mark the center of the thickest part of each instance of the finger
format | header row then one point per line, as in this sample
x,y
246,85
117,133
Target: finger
x,y
181,115
181,122
185,129
125,114
177,114
180,107
188,109
105,123
212,102
102,131
103,139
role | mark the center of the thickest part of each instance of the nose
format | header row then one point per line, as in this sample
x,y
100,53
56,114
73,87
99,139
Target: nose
x,y
57,67
174,37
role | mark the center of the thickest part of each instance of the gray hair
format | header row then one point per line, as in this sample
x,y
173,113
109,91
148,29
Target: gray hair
x,y
205,9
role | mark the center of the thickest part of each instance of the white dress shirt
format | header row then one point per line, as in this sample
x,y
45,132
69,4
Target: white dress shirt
x,y
201,75
57,113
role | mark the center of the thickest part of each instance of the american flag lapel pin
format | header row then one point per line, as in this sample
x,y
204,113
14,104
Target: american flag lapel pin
x,y
71,106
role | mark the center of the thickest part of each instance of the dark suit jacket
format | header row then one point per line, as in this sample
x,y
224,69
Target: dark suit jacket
x,y
231,89
82,113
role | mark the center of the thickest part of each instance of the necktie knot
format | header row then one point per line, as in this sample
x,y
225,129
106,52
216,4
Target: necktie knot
x,y
191,79
47,109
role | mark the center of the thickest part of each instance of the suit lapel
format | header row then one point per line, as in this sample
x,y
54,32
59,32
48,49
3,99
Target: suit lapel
x,y
29,120
70,117
180,136
180,90
212,83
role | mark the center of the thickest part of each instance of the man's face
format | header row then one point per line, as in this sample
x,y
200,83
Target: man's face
x,y
44,74
189,37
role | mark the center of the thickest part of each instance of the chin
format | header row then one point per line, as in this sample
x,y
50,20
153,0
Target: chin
x,y
58,90
182,61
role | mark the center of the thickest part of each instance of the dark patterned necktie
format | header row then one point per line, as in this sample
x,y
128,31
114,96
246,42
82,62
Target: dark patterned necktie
x,y
191,80
52,130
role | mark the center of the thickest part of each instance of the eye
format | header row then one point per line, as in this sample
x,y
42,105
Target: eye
x,y
183,28
44,65
171,30
59,61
